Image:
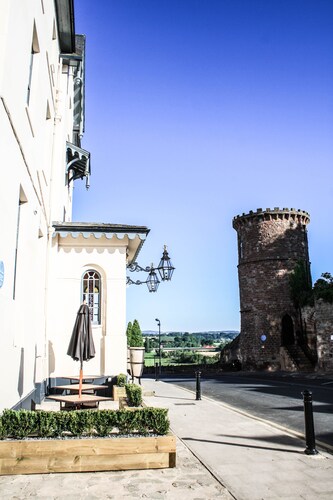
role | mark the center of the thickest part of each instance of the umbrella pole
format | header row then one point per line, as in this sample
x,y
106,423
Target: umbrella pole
x,y
80,381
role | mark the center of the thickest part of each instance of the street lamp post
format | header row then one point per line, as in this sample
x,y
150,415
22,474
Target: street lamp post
x,y
159,344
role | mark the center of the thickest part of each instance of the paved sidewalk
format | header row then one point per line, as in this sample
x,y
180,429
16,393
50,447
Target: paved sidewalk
x,y
254,460
189,480
232,456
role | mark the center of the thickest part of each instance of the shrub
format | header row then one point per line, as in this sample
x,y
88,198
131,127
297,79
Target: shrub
x,y
158,420
105,422
187,357
19,424
121,380
79,423
48,424
133,394
125,422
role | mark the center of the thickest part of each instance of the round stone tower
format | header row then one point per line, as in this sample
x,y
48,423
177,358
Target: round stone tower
x,y
270,244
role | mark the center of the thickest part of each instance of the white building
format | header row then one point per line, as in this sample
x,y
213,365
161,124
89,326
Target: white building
x,y
48,264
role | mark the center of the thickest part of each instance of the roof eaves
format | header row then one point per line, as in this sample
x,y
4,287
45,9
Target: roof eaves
x,y
96,227
65,23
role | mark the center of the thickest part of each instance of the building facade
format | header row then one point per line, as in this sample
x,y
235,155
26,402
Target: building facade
x,y
48,263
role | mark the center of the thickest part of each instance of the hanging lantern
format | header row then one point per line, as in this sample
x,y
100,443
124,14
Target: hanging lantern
x,y
152,280
165,267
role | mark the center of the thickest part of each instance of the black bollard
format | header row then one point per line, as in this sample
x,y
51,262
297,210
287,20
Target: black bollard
x,y
310,438
198,385
156,371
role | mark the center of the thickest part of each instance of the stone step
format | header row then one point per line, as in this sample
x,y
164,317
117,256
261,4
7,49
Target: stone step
x,y
299,357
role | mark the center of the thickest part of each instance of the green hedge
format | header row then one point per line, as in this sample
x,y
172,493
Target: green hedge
x,y
133,394
20,424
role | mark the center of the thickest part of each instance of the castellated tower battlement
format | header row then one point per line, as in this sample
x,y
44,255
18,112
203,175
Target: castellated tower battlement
x,y
286,213
272,234
270,244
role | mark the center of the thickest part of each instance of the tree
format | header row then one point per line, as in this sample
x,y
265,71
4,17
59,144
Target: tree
x,y
147,345
129,333
323,288
300,287
177,341
136,335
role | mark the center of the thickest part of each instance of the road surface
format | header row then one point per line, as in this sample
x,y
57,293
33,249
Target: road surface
x,y
276,398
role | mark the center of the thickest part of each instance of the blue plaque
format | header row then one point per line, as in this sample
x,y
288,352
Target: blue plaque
x,y
2,273
263,338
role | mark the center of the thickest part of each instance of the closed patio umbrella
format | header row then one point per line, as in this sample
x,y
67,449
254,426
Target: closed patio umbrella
x,y
81,346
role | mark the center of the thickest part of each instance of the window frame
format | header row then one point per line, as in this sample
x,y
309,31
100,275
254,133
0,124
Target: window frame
x,y
34,50
90,296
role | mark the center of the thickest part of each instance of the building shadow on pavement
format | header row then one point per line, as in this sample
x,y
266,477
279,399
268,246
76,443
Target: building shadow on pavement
x,y
242,445
278,439
317,408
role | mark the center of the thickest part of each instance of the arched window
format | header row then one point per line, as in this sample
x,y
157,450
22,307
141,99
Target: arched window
x,y
91,291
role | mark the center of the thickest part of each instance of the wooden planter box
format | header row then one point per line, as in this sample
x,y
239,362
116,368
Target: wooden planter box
x,y
89,454
118,392
123,405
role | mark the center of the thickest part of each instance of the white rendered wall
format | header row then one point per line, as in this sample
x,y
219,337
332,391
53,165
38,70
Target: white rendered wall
x,y
69,262
39,319
33,141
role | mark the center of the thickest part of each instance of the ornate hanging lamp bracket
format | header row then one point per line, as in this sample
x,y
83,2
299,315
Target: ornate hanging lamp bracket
x,y
165,270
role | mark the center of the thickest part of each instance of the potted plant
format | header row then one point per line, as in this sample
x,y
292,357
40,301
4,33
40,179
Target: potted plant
x,y
137,350
118,390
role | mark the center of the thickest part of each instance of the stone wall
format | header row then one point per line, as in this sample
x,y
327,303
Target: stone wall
x,y
309,326
324,329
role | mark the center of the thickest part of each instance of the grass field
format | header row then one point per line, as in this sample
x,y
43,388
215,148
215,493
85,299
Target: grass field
x,y
151,359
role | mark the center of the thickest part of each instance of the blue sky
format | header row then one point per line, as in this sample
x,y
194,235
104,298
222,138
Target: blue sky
x,y
197,111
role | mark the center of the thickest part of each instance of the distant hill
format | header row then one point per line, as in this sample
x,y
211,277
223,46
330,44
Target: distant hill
x,y
227,334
